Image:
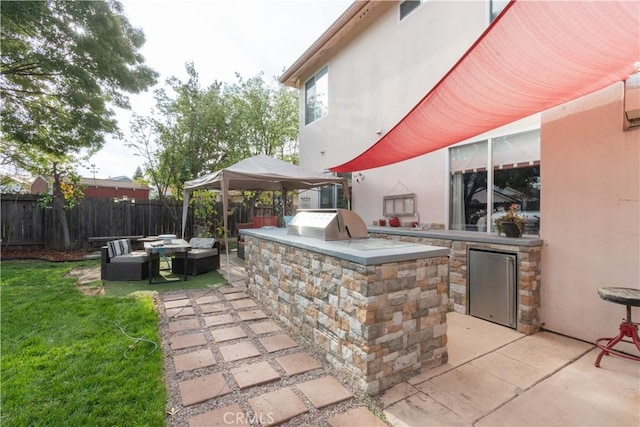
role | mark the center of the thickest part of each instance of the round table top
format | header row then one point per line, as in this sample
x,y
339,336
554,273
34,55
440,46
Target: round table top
x,y
626,296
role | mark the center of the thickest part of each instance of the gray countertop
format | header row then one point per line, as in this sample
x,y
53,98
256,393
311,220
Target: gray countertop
x,y
361,251
468,236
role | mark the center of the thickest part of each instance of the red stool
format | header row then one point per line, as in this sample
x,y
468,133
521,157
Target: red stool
x,y
629,297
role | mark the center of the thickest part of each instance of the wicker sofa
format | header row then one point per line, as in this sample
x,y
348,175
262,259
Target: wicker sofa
x,y
204,256
120,262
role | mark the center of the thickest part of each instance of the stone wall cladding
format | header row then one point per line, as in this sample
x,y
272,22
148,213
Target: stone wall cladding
x,y
529,259
378,323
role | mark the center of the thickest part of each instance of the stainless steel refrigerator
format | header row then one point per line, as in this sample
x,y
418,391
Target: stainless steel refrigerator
x,y
493,286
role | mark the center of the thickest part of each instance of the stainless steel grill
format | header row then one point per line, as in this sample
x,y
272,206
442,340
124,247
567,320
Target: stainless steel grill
x,y
328,224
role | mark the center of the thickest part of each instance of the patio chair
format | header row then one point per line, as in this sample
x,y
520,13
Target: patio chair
x,y
120,263
204,256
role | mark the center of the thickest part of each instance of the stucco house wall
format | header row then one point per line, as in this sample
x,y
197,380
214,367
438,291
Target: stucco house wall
x,y
374,80
591,218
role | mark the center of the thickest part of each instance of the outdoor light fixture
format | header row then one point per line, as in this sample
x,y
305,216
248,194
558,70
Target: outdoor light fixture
x,y
632,99
359,177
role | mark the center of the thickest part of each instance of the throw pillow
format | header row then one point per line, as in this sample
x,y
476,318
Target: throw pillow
x,y
118,247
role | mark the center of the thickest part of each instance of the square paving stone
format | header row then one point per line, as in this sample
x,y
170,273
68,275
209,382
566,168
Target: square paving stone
x,y
278,406
177,303
252,314
228,334
180,312
173,297
264,327
243,303
207,299
193,360
359,417
242,350
231,415
228,289
221,319
236,295
324,391
186,341
202,388
240,285
213,308
298,363
184,325
277,342
255,374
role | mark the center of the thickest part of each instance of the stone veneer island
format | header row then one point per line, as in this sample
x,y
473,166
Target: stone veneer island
x,y
376,307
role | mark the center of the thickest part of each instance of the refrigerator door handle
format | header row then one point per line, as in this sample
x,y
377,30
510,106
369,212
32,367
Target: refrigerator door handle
x,y
510,289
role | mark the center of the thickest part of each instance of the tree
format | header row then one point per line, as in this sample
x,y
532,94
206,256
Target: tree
x,y
264,119
184,136
67,193
138,174
194,134
63,65
195,130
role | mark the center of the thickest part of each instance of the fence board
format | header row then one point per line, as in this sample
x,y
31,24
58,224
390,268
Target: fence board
x,y
23,223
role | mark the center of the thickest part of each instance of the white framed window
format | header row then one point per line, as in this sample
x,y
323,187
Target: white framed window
x,y
316,96
406,7
487,177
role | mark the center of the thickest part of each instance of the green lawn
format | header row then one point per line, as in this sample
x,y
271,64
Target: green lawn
x,y
166,283
70,359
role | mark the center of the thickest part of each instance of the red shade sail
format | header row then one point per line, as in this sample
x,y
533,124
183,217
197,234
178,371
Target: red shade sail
x,y
534,56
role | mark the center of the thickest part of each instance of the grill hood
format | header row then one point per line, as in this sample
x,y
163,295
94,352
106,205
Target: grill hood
x,y
328,224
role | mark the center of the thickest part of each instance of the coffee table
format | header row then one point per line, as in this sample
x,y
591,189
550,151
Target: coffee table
x,y
162,248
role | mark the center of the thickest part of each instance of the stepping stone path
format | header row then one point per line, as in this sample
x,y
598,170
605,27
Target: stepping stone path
x,y
228,363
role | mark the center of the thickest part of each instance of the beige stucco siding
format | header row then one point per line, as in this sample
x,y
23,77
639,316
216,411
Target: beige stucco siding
x,y
373,82
591,190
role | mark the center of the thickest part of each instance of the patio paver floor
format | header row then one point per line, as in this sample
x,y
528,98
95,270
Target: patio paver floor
x,y
238,367
549,374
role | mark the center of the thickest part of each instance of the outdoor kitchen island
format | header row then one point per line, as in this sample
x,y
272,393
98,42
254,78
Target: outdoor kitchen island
x,y
375,306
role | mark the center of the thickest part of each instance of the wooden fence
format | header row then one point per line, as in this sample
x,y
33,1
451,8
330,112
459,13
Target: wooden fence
x,y
25,224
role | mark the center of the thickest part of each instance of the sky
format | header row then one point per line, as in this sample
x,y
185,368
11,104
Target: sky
x,y
221,37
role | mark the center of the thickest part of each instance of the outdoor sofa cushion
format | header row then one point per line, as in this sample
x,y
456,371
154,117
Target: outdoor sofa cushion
x,y
131,257
202,253
204,256
202,247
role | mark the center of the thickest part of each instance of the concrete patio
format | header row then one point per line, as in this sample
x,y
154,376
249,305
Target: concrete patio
x,y
497,376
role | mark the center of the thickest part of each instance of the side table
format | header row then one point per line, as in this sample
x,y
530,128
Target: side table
x,y
631,298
